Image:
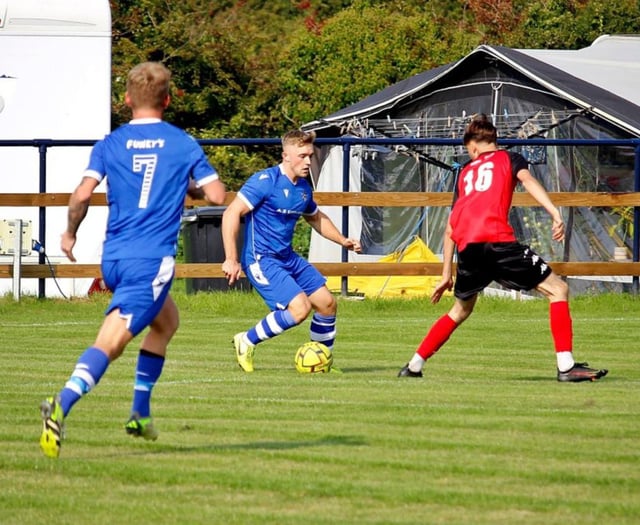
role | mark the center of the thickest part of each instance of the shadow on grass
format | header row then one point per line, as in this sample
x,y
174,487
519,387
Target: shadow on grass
x,y
325,441
552,379
364,370
349,441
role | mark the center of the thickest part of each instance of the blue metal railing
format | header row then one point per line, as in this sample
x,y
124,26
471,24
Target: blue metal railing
x,y
43,145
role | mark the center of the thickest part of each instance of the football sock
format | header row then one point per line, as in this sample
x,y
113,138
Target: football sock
x,y
323,329
561,326
90,367
438,335
565,361
272,325
148,371
416,363
562,333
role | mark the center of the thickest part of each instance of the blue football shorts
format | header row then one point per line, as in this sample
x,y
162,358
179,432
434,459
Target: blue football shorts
x,y
515,266
140,287
278,281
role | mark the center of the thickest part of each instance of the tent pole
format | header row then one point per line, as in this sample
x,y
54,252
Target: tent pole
x,y
346,157
636,219
42,210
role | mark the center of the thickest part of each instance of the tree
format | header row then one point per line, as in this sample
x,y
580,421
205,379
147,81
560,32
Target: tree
x,y
249,68
208,71
571,24
361,50
494,19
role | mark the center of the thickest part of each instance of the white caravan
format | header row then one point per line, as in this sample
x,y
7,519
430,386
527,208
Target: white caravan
x,y
55,83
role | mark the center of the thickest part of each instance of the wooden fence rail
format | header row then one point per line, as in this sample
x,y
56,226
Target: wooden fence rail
x,y
395,199
214,270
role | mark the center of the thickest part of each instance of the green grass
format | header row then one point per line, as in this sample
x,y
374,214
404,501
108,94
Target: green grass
x,y
487,437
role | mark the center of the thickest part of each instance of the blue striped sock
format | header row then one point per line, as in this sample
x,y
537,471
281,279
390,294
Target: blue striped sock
x,y
272,325
90,367
148,371
323,329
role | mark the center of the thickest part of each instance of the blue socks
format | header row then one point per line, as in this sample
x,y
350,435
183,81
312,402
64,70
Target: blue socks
x,y
323,329
90,367
148,372
273,324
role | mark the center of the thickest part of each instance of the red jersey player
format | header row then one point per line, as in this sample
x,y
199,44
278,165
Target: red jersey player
x,y
488,250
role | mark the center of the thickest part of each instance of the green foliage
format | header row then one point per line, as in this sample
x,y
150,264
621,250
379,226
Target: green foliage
x,y
212,52
237,163
302,238
622,230
388,46
249,68
572,24
255,69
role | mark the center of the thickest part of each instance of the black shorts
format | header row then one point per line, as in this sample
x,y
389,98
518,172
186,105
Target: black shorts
x,y
513,265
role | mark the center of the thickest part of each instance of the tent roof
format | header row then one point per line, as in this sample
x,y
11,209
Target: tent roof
x,y
603,79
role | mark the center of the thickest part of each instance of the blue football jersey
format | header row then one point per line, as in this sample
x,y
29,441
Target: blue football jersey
x,y
276,204
147,164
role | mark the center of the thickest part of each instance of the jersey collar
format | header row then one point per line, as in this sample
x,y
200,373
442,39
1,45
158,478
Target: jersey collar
x,y
281,167
145,121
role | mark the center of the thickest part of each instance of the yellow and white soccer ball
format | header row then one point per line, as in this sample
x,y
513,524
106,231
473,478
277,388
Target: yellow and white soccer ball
x,y
313,358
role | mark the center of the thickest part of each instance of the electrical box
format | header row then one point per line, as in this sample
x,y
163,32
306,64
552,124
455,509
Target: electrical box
x,y
8,233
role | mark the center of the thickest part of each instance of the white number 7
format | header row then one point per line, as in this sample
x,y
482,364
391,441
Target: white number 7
x,y
146,163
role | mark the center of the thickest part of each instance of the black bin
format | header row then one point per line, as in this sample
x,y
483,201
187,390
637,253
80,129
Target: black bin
x,y
202,243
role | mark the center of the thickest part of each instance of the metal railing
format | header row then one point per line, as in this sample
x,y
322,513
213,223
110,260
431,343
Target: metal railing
x,y
345,200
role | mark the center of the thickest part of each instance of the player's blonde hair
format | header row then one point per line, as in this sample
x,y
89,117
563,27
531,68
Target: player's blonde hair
x,y
299,138
148,85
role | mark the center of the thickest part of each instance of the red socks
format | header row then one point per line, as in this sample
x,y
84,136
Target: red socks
x,y
437,336
559,319
561,326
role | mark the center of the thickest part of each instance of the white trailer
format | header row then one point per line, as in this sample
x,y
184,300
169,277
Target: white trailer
x,y
55,83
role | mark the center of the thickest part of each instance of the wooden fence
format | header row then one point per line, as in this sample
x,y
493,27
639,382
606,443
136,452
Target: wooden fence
x,y
395,199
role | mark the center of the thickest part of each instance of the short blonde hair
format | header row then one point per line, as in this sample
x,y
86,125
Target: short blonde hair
x,y
297,137
148,85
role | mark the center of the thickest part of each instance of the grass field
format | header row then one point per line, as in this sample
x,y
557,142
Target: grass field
x,y
488,436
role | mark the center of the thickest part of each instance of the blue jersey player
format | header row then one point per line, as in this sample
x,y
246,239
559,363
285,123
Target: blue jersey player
x,y
272,201
149,166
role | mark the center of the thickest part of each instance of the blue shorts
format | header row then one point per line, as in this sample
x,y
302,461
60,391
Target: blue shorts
x,y
278,281
140,287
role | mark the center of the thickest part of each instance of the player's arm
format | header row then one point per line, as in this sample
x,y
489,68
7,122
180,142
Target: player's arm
x,y
321,223
77,211
213,191
205,182
194,191
230,229
446,282
537,191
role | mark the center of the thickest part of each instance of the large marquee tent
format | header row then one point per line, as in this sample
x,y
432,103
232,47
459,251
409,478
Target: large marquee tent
x,y
590,93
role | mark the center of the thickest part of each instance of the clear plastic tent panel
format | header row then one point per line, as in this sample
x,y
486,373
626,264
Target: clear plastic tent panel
x,y
387,229
592,232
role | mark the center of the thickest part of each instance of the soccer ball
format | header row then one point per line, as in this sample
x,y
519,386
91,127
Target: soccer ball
x,y
313,358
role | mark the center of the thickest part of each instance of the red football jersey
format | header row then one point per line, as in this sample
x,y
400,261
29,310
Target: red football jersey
x,y
484,193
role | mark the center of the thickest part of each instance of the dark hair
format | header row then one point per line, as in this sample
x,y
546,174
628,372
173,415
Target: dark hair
x,y
480,129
